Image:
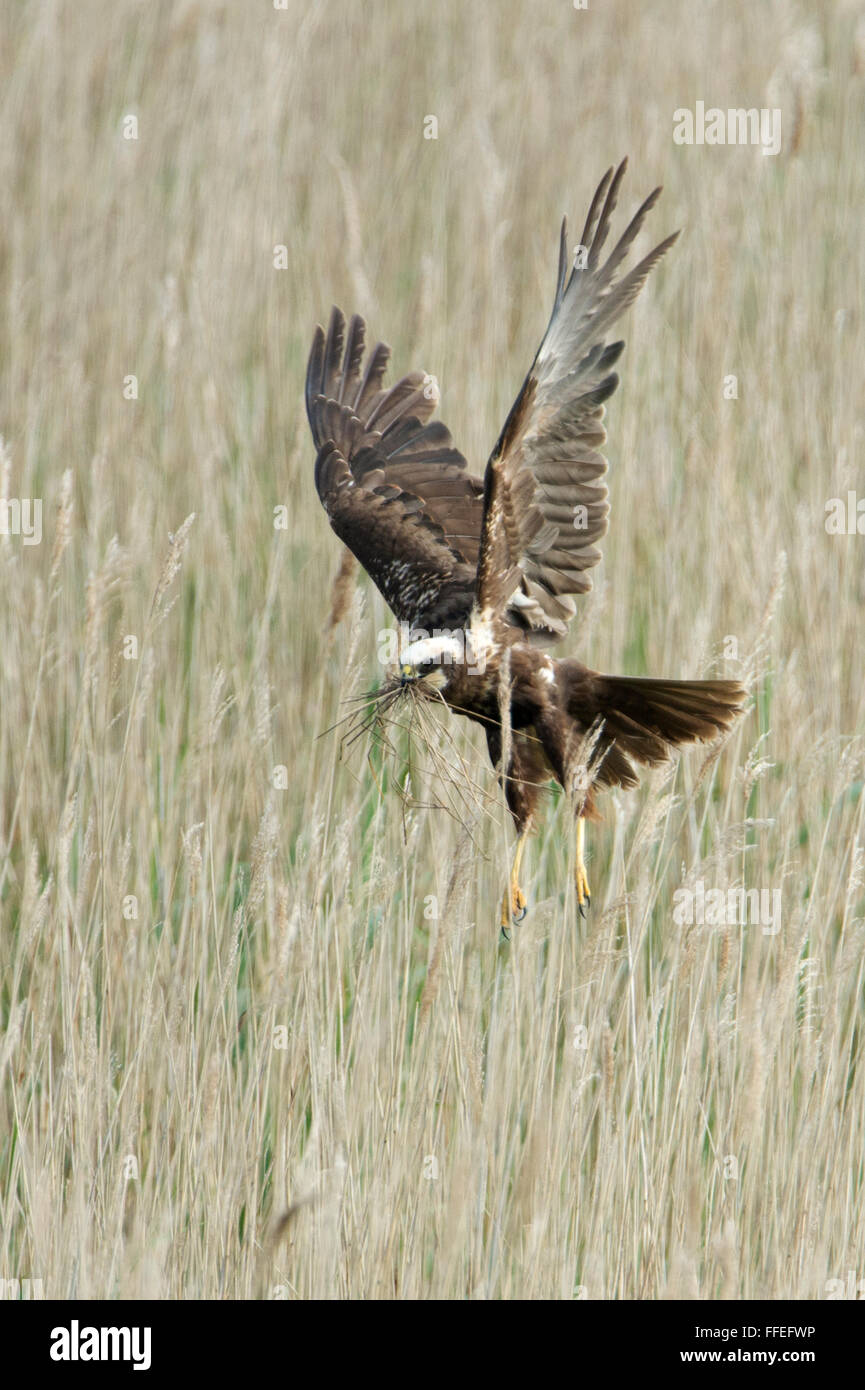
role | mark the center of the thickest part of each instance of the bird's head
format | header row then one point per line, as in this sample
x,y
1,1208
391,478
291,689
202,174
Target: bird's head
x,y
430,662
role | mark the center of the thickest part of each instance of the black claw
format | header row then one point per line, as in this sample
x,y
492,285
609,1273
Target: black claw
x,y
518,916
505,936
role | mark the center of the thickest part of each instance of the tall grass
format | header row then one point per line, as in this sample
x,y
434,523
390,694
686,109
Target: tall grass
x,y
267,1041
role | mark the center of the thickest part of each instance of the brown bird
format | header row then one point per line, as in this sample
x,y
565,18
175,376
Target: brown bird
x,y
481,573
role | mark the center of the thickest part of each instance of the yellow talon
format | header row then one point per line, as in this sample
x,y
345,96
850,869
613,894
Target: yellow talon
x,y
514,905
584,897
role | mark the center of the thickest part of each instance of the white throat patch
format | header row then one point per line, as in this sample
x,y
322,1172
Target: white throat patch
x,y
448,650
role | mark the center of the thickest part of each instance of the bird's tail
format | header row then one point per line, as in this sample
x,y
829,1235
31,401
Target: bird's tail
x,y
643,719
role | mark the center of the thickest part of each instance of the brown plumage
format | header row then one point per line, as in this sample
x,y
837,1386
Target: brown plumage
x,y
477,568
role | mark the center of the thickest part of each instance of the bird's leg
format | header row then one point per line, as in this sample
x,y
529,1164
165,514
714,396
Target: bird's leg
x,y
514,906
584,897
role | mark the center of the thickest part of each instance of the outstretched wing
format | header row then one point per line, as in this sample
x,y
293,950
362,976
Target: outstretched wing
x,y
397,492
545,498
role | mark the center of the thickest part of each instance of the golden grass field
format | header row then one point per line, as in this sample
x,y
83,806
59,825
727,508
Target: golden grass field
x,y
222,1003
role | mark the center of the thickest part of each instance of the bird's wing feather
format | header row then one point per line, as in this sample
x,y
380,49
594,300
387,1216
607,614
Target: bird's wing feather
x,y
395,489
545,498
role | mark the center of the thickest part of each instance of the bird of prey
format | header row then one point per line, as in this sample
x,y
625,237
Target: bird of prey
x,y
482,573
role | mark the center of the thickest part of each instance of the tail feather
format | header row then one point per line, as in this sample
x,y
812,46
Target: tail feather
x,y
678,711
643,719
